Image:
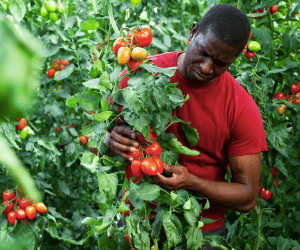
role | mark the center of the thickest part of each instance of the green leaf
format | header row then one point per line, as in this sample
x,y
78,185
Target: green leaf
x,y
278,139
92,143
104,81
101,117
63,186
94,84
104,105
146,191
175,145
173,228
90,161
194,238
71,102
88,130
18,9
191,134
88,101
65,73
155,69
89,25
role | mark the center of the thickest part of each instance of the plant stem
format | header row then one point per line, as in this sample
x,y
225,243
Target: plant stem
x,y
111,18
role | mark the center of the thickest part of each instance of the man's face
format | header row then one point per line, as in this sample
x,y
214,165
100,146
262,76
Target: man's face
x,y
207,57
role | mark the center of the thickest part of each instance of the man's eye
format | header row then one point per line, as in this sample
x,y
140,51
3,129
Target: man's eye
x,y
203,53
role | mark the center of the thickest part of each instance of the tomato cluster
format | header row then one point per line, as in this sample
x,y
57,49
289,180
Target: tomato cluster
x,y
20,207
251,47
23,129
130,50
146,158
57,65
52,10
293,97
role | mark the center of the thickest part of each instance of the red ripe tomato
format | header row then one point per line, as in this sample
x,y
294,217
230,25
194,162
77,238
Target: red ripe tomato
x,y
51,73
127,238
280,95
152,135
136,168
134,64
160,164
275,183
291,99
8,195
154,149
8,208
83,140
20,213
138,153
265,194
118,43
41,207
295,88
143,35
57,129
23,203
65,62
273,171
61,68
273,9
22,124
12,217
30,212
249,54
149,166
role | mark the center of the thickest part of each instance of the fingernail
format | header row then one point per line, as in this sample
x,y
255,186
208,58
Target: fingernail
x,y
135,144
132,135
133,149
130,159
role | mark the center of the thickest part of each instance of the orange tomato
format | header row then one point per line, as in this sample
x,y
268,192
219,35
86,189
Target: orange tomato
x,y
123,55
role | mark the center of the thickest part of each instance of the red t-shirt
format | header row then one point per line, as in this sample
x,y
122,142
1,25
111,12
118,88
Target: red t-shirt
x,y
228,121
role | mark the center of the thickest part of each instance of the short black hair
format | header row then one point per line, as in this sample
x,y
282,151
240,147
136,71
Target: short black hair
x,y
228,23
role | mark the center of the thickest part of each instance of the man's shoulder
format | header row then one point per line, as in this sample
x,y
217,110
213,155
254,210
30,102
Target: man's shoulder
x,y
167,59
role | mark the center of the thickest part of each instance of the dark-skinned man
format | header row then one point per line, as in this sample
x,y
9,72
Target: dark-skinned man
x,y
225,115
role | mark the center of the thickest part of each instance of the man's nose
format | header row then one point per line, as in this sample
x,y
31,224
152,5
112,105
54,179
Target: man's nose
x,y
207,66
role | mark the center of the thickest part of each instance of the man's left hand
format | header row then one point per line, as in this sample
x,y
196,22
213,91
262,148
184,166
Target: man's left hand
x,y
179,179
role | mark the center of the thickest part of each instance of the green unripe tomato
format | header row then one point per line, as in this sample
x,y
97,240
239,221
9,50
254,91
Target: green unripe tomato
x,y
288,114
44,11
30,132
4,7
254,46
61,9
51,6
23,133
135,2
200,224
53,16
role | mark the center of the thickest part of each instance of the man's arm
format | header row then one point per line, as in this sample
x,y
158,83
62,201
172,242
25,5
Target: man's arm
x,y
240,194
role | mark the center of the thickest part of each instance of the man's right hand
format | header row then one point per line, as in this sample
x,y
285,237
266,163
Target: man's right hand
x,y
122,141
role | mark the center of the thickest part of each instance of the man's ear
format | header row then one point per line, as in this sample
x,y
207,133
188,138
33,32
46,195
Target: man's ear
x,y
193,31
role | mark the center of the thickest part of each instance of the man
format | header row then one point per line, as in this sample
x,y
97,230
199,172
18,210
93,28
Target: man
x,y
225,115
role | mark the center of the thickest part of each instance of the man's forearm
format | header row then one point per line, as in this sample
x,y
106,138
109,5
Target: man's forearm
x,y
234,196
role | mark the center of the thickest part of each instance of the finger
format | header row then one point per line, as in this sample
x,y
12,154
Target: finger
x,y
125,132
123,140
122,154
121,147
173,169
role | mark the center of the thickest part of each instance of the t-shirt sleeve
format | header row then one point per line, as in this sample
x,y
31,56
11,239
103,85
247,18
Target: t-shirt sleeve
x,y
247,135
123,83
